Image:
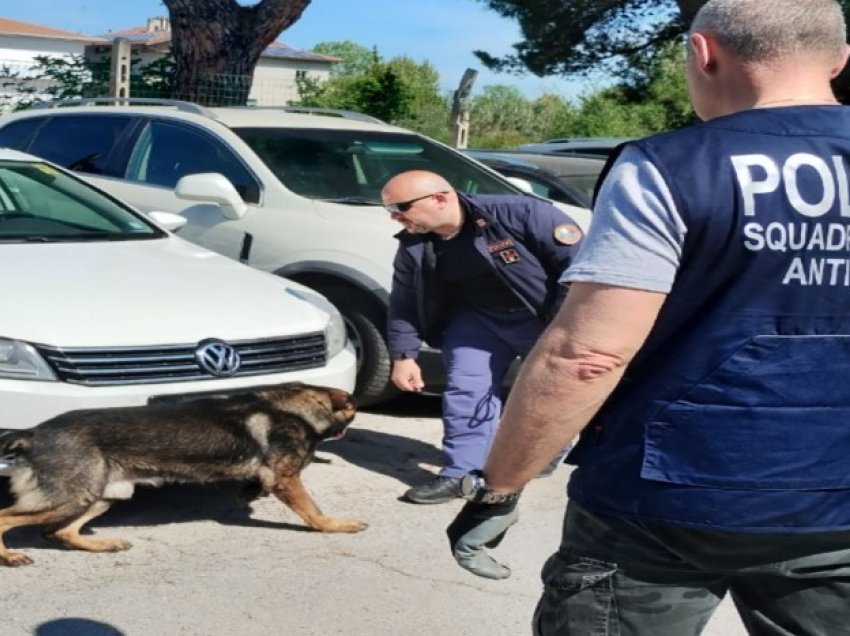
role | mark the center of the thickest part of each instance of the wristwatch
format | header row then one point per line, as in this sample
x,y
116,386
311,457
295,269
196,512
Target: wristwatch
x,y
474,488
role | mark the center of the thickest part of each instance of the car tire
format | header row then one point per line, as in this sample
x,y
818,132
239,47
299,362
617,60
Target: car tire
x,y
365,323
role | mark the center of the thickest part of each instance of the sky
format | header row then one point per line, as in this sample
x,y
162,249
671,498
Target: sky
x,y
442,32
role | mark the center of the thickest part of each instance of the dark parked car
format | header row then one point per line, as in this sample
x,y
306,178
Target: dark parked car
x,y
597,146
569,179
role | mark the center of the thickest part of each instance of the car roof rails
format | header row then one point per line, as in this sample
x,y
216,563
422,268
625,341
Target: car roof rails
x,y
188,107
334,112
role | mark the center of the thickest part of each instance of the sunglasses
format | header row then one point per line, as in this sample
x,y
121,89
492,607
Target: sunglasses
x,y
403,206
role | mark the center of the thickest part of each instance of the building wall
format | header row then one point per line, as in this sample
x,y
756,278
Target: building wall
x,y
275,80
21,48
17,62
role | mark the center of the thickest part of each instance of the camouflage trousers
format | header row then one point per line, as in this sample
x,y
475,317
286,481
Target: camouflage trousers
x,y
619,577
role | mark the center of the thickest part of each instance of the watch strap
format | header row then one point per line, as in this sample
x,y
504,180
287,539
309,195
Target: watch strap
x,y
474,488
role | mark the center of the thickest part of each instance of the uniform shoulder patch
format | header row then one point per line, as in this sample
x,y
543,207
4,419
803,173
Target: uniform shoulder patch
x,y
567,234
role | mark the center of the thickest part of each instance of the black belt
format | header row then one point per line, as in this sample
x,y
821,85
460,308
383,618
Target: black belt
x,y
506,310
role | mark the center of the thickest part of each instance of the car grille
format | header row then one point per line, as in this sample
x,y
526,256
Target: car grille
x,y
113,366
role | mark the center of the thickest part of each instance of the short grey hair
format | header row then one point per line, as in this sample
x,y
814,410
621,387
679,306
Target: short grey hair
x,y
764,30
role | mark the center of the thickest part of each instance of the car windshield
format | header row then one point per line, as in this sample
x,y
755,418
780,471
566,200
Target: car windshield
x,y
351,166
39,203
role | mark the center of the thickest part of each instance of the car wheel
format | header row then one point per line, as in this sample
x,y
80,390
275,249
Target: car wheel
x,y
365,323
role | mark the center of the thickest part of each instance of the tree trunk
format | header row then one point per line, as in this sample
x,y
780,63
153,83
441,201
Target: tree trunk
x,y
688,9
216,45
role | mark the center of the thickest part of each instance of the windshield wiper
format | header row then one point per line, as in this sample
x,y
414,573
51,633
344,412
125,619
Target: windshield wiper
x,y
70,238
34,238
352,201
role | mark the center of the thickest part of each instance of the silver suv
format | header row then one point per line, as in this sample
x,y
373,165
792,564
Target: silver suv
x,y
292,193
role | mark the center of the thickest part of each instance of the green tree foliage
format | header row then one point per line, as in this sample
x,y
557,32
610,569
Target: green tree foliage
x,y
429,110
502,117
378,92
580,36
67,78
399,91
155,79
621,37
73,77
356,59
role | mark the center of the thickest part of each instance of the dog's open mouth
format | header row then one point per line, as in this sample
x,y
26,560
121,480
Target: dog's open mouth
x,y
333,434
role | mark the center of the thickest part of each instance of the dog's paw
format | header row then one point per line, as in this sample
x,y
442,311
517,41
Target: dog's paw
x,y
92,544
345,525
15,559
113,545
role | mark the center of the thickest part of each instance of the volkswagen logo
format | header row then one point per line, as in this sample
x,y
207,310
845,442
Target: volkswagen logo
x,y
217,358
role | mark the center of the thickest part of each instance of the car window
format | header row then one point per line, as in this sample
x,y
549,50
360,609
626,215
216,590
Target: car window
x,y
80,142
165,152
38,203
539,188
351,166
17,134
583,183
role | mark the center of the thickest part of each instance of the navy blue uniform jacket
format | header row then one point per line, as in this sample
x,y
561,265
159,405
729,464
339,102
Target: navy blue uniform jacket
x,y
418,309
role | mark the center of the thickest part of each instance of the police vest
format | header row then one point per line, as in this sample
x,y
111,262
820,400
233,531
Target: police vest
x,y
735,415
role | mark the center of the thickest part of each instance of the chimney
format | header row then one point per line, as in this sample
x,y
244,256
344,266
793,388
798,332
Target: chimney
x,y
160,23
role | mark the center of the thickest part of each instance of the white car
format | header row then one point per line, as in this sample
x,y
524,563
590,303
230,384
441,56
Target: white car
x,y
102,307
294,194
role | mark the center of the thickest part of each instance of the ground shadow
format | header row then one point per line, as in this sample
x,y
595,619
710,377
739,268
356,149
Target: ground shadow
x,y
77,627
387,454
409,405
174,503
396,456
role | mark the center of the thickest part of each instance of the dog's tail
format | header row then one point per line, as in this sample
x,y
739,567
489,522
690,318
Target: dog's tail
x,y
14,444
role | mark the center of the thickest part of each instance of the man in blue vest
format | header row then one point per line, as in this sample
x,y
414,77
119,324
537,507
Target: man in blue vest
x,y
478,277
704,354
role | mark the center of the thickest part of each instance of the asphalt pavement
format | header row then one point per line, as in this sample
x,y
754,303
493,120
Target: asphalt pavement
x,y
202,566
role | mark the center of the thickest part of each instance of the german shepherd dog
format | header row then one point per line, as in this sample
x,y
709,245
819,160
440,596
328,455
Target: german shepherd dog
x,y
70,469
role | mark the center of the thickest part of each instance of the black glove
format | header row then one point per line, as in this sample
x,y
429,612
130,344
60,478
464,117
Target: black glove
x,y
477,526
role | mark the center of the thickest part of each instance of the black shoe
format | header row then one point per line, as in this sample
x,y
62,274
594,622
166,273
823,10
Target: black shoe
x,y
439,490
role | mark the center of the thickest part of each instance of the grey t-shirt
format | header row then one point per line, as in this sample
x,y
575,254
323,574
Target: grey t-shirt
x,y
636,235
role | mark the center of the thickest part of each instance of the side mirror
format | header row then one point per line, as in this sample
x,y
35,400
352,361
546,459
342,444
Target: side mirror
x,y
522,184
212,187
170,221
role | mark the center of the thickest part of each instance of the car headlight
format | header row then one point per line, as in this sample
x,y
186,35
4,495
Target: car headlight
x,y
20,361
335,334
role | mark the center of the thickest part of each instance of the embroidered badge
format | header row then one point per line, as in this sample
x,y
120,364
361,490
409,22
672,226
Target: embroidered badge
x,y
509,256
567,234
498,246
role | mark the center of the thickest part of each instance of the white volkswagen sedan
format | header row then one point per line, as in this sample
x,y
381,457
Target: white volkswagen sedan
x,y
102,306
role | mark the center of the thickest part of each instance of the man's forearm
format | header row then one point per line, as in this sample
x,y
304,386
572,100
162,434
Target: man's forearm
x,y
547,408
568,376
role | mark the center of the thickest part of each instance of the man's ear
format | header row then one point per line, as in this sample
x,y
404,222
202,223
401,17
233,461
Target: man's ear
x,y
841,63
702,50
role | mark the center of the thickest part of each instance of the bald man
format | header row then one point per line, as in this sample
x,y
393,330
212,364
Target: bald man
x,y
478,277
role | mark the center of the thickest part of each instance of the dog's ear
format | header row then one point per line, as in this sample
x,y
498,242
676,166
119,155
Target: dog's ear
x,y
340,399
15,443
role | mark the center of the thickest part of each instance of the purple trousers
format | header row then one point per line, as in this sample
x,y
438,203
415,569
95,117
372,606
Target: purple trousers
x,y
478,348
